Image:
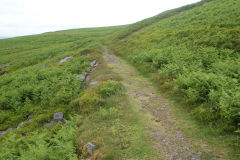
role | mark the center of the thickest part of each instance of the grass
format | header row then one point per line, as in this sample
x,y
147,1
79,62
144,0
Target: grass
x,y
196,55
117,128
117,131
190,53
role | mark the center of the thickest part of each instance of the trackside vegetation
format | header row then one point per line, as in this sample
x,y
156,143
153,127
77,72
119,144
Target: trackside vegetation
x,y
35,84
196,55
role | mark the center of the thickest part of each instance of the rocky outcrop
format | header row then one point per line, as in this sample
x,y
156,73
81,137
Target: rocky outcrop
x,y
85,76
94,63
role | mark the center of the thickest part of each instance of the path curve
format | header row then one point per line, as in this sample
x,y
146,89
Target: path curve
x,y
167,138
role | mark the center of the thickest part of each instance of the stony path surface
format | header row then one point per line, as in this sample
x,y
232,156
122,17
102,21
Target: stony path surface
x,y
167,139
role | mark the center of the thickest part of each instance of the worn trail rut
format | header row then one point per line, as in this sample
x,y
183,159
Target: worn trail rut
x,y
168,140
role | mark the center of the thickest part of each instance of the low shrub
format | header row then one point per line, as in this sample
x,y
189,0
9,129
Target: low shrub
x,y
93,99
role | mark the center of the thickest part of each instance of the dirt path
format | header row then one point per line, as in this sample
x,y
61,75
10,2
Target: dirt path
x,y
168,140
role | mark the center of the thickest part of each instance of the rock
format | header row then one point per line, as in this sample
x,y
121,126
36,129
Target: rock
x,y
10,129
43,67
20,124
2,133
91,148
81,77
4,73
93,63
29,118
86,77
4,66
93,83
58,117
89,69
48,123
65,59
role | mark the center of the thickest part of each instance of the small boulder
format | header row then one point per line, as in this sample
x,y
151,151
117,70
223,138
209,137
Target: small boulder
x,y
93,83
91,148
43,67
49,123
10,129
93,63
4,73
65,59
87,77
20,124
89,69
29,118
2,133
58,117
80,77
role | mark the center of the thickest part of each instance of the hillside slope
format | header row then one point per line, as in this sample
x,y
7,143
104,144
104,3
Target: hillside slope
x,y
195,54
191,54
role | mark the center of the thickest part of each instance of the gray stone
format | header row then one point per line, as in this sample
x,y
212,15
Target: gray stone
x,y
43,67
29,118
4,73
20,124
58,117
80,77
87,79
89,69
2,133
49,123
4,66
65,59
93,83
10,129
91,148
93,63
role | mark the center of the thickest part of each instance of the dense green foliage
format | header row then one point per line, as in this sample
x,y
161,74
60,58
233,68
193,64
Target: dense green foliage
x,y
193,51
93,99
37,84
51,143
35,81
197,54
57,142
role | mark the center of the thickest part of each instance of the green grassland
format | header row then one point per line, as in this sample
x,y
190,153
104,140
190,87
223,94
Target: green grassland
x,y
191,53
195,54
28,89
